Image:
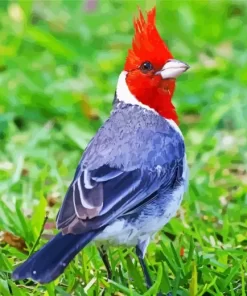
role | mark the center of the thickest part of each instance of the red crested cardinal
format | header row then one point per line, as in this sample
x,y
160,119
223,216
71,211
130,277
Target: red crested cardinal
x,y
132,176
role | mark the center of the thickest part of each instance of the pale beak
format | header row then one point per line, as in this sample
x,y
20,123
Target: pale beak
x,y
172,69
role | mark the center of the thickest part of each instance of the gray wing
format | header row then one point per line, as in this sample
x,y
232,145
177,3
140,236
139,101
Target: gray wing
x,y
116,176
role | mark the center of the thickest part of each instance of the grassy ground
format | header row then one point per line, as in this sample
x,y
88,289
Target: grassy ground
x,y
58,71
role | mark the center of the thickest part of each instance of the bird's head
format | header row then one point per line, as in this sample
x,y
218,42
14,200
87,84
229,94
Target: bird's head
x,y
150,70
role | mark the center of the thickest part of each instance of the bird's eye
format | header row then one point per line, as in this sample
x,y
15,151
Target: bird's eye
x,y
146,67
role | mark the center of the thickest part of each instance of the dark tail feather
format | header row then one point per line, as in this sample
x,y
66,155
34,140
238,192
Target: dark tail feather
x,y
49,262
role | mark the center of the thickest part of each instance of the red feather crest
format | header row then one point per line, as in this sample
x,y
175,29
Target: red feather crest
x,y
147,44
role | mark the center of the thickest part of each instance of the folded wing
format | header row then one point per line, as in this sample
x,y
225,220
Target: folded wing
x,y
120,171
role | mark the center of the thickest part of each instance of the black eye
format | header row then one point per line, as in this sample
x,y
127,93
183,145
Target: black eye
x,y
146,67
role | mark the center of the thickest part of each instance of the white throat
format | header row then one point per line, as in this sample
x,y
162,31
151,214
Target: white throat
x,y
124,94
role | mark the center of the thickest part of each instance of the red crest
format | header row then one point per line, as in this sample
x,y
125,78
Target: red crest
x,y
147,44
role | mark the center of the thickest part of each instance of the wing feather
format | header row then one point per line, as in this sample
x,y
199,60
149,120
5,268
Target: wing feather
x,y
122,169
122,194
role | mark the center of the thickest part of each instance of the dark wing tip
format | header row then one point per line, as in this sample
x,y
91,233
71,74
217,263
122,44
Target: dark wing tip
x,y
22,273
27,271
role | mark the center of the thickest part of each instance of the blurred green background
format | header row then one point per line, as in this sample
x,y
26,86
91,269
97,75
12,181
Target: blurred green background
x,y
59,65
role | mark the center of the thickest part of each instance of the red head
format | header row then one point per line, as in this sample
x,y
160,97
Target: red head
x,y
151,69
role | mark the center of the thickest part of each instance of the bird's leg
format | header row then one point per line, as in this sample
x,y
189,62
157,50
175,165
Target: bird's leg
x,y
144,268
104,257
148,279
140,252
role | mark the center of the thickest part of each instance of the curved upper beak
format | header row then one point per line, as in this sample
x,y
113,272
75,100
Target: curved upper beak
x,y
172,69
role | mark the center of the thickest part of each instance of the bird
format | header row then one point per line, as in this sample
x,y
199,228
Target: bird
x,y
132,176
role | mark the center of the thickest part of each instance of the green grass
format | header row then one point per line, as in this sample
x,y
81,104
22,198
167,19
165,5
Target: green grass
x,y
58,71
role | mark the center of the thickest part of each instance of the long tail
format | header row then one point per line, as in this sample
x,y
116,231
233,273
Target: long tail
x,y
49,262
